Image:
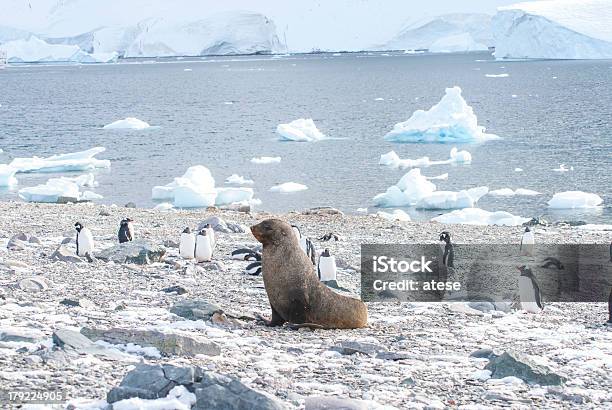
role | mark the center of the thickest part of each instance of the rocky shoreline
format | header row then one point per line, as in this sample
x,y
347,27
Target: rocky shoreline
x,y
199,319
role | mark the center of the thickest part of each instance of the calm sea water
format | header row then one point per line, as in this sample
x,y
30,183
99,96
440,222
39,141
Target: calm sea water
x,y
547,113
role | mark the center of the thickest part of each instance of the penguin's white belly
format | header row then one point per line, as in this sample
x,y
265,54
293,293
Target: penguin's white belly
x,y
528,295
327,268
85,242
187,245
203,249
210,232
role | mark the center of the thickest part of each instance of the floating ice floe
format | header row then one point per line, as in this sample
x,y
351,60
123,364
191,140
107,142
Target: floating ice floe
x,y
477,216
76,161
288,187
451,120
129,123
574,199
415,189
503,75
265,160
236,179
563,168
510,192
395,215
439,177
196,189
392,160
300,130
7,176
518,169
67,189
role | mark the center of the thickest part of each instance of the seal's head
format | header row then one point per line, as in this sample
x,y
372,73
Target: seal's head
x,y
272,231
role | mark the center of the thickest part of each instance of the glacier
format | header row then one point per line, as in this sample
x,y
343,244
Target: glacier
x,y
75,161
477,216
448,32
451,120
574,199
300,130
559,29
35,50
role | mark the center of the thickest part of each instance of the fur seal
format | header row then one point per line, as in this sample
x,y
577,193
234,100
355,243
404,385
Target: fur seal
x,y
294,291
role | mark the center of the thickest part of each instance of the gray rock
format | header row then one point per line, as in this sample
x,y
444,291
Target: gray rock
x,y
167,343
69,302
66,241
104,212
130,205
64,254
33,284
237,228
350,347
84,303
21,335
139,252
179,290
213,391
74,342
196,309
536,221
68,200
219,225
169,243
323,210
17,242
333,403
34,240
393,355
482,306
517,365
483,354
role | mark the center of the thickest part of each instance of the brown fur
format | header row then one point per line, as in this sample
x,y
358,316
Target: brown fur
x,y
295,293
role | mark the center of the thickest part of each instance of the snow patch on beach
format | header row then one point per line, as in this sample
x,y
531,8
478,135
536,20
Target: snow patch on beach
x,y
574,199
288,187
130,123
300,130
451,120
76,161
477,216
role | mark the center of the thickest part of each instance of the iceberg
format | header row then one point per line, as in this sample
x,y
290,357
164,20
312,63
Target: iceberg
x,y
7,176
560,29
238,180
395,215
56,188
574,199
477,216
227,196
288,187
392,160
129,123
449,32
452,200
35,50
300,130
503,75
410,189
76,161
164,206
265,160
510,192
450,120
563,168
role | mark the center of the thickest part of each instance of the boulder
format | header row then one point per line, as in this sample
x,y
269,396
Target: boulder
x,y
139,252
518,365
17,242
63,254
219,225
167,343
72,341
323,210
177,289
196,309
350,347
33,284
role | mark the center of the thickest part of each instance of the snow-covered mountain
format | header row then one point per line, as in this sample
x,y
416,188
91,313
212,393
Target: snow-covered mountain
x,y
559,29
449,32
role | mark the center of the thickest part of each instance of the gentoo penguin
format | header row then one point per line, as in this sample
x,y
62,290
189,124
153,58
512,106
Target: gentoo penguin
x,y
254,268
329,237
246,254
84,240
203,247
126,230
550,261
327,266
306,245
211,235
527,242
448,255
187,244
529,291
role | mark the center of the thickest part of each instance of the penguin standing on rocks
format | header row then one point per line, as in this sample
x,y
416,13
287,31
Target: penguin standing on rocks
x,y
126,230
84,240
203,247
529,291
448,255
187,244
211,235
306,245
327,266
527,242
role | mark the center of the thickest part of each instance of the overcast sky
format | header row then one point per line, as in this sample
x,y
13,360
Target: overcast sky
x,y
307,24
